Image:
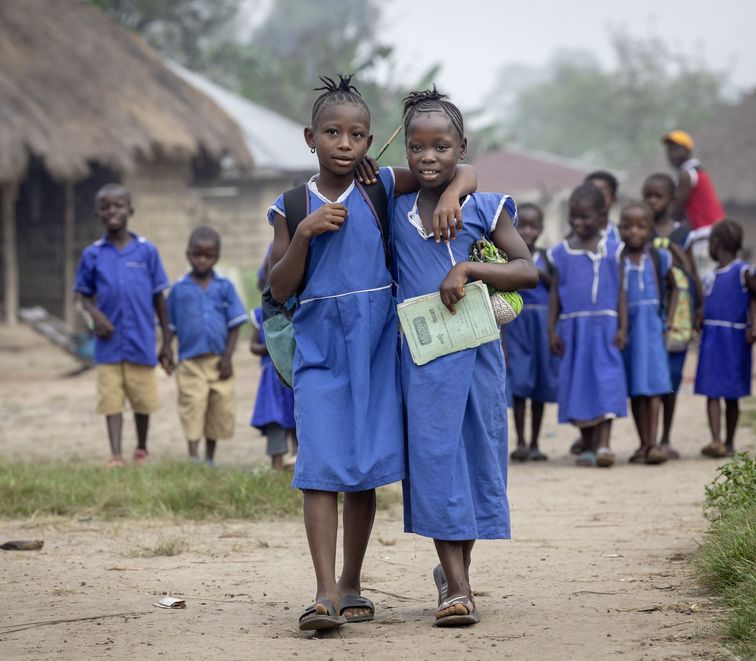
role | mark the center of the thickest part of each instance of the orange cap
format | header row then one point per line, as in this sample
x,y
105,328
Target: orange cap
x,y
679,138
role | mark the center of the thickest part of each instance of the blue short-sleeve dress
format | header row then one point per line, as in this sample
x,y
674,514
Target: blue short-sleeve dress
x,y
592,384
646,365
347,397
725,357
456,487
532,370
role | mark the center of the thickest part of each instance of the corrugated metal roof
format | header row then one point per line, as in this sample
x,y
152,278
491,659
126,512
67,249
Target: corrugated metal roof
x,y
275,142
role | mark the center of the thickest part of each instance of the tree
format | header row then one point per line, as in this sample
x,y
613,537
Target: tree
x,y
183,30
614,116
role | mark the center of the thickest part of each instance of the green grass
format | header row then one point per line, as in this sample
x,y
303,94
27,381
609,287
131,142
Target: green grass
x,y
160,490
168,547
726,561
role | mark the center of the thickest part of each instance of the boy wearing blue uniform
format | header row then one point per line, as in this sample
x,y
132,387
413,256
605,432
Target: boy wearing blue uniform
x,y
120,280
205,314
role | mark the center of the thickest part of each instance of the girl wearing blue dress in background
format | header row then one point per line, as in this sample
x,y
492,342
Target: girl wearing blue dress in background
x,y
645,356
532,370
588,327
724,357
455,490
273,413
347,396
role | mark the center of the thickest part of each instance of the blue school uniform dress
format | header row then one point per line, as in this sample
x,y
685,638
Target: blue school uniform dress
x,y
592,373
645,355
201,318
124,282
347,398
456,488
724,357
275,402
532,370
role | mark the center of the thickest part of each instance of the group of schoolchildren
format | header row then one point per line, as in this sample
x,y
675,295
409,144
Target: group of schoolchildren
x,y
121,282
615,310
365,414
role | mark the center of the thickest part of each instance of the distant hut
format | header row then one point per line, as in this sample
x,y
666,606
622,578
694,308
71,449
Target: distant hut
x,y
533,176
84,102
236,202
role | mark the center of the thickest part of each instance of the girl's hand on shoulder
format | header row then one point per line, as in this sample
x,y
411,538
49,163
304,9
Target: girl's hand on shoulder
x,y
328,218
620,339
447,217
367,170
452,289
556,345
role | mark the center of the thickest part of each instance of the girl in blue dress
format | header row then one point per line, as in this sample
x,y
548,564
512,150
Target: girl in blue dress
x,y
588,327
645,356
273,414
659,191
724,357
455,490
532,370
347,398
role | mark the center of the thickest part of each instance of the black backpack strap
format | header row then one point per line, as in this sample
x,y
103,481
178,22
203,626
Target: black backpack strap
x,y
660,280
375,196
296,207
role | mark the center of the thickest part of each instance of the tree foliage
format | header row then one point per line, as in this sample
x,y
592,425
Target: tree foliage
x,y
614,116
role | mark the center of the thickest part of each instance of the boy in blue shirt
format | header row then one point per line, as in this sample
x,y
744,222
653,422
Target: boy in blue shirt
x,y
120,280
205,314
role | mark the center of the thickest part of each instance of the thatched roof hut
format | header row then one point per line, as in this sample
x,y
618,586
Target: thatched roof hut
x,y
80,94
75,88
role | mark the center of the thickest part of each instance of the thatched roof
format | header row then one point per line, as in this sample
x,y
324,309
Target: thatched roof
x,y
76,88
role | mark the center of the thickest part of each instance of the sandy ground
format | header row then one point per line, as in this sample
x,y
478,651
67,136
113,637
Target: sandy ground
x,y
597,567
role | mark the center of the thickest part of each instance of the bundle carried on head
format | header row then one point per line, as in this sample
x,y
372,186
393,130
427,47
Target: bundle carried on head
x,y
506,304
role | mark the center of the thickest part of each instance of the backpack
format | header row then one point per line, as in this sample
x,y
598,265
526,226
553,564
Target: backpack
x,y
677,305
277,317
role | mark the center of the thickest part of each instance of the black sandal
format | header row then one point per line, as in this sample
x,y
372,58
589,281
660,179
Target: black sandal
x,y
356,601
311,620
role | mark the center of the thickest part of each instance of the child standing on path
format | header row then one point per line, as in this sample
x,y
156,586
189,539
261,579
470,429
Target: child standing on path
x,y
724,357
607,183
120,279
588,327
345,377
645,270
532,370
205,314
658,193
273,414
455,491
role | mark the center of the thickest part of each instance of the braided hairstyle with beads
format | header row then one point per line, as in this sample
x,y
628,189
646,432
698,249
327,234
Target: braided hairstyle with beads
x,y
337,92
431,101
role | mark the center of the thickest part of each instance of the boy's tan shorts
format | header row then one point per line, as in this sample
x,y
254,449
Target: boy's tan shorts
x,y
119,381
207,405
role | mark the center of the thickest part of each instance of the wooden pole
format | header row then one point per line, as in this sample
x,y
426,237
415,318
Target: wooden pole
x,y
8,190
69,225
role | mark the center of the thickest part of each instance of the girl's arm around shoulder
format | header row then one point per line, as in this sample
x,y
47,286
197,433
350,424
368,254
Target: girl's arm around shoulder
x,y
518,273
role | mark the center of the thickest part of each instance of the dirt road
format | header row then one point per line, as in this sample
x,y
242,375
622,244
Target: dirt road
x,y
597,567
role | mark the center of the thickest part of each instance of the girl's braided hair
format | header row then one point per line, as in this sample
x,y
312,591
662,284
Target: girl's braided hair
x,y
337,92
431,101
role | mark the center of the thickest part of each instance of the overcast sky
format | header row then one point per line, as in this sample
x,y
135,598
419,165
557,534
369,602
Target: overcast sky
x,y
473,39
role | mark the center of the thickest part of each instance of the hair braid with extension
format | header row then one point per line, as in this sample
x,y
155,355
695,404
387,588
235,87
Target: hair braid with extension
x,y
337,92
431,101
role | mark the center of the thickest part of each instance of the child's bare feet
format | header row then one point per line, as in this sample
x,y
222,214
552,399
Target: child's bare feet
x,y
667,449
116,461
